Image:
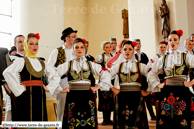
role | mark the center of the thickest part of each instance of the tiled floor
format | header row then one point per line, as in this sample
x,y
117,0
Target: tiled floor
x,y
152,124
103,126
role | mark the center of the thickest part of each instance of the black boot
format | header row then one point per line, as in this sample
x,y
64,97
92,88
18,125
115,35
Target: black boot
x,y
104,118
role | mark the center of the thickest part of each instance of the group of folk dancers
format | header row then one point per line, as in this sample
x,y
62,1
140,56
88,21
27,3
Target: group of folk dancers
x,y
126,78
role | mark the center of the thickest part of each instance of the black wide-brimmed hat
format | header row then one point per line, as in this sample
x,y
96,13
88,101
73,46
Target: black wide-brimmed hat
x,y
66,32
13,48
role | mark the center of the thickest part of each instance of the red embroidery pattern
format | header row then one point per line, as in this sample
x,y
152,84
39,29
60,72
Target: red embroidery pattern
x,y
184,123
160,122
172,106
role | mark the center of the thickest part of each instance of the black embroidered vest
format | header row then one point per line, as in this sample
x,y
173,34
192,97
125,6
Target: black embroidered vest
x,y
84,74
103,62
28,72
178,70
132,76
158,55
60,57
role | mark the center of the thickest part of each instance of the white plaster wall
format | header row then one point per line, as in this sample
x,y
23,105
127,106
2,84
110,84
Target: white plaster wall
x,y
142,24
75,16
182,17
190,15
45,17
104,20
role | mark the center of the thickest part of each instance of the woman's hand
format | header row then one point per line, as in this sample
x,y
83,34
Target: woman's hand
x,y
161,85
45,88
145,93
66,90
24,88
160,72
115,90
94,89
188,84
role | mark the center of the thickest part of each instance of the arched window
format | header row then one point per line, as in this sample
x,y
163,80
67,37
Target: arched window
x,y
5,23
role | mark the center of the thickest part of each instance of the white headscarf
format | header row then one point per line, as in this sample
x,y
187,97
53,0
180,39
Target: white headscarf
x,y
159,52
185,47
180,47
82,59
132,58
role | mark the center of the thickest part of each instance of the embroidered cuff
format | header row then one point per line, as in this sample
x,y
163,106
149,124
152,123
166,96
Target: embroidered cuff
x,y
155,84
149,88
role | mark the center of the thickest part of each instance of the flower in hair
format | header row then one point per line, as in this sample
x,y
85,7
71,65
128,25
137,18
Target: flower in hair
x,y
37,36
166,42
134,43
84,41
179,32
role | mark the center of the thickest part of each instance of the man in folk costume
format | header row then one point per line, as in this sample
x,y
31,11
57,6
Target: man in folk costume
x,y
9,104
192,38
88,57
18,43
113,42
142,58
59,56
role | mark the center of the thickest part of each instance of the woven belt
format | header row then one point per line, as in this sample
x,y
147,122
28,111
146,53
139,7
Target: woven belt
x,y
79,86
129,88
32,83
175,81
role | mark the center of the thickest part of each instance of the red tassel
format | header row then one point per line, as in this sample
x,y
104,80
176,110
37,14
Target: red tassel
x,y
113,59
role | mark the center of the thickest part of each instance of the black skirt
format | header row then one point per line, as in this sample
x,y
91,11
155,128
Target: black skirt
x,y
174,108
30,105
80,110
130,112
105,100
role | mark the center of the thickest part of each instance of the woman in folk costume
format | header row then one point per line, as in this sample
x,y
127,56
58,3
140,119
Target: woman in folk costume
x,y
188,46
130,110
80,108
105,98
162,51
175,99
24,78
